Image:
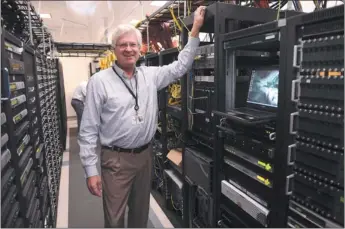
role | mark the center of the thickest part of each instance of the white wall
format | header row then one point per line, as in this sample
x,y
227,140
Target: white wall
x,y
75,70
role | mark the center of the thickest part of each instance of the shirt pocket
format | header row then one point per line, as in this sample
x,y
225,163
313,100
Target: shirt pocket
x,y
119,101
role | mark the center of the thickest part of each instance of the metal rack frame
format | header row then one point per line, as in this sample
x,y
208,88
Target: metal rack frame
x,y
5,36
224,20
221,18
325,22
281,176
81,49
34,32
39,81
163,15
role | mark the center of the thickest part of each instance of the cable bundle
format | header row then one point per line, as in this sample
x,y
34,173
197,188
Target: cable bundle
x,y
107,61
175,94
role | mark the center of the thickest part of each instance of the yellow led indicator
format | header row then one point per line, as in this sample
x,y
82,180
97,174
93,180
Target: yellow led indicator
x,y
14,102
342,199
17,118
334,73
263,180
268,167
13,86
267,182
263,164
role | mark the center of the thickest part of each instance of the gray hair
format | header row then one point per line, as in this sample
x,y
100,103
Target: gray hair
x,y
123,29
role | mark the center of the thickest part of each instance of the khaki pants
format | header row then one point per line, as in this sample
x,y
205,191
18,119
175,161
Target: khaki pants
x,y
126,180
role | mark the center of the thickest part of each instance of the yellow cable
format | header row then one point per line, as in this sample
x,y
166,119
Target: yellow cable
x,y
174,19
184,25
175,94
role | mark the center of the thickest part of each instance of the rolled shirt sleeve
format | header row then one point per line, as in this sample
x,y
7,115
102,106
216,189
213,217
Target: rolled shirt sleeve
x,y
167,74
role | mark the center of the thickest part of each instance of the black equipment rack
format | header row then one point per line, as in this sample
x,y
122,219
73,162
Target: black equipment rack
x,y
317,120
234,28
220,18
242,166
32,152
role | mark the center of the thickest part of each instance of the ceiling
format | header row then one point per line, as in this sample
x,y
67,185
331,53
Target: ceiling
x,y
89,21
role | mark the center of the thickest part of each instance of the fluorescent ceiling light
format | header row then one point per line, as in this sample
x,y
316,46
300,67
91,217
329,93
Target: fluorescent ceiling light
x,y
45,16
83,7
158,3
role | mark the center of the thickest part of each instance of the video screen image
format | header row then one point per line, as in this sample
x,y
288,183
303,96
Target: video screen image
x,y
263,89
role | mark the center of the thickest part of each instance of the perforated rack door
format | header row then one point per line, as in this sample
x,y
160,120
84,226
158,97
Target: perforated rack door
x,y
318,123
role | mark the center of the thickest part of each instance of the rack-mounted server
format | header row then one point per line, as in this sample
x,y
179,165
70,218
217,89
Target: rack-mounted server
x,y
256,181
318,121
15,139
27,201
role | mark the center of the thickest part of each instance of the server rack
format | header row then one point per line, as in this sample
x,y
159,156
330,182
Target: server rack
x,y
163,179
62,105
166,57
15,133
171,118
41,191
316,75
152,59
247,173
30,183
221,18
48,95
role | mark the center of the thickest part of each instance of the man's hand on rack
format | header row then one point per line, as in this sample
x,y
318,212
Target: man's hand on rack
x,y
199,15
94,185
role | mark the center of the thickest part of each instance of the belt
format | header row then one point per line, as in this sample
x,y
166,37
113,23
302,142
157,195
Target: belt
x,y
135,150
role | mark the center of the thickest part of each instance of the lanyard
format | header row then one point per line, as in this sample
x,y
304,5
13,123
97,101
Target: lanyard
x,y
136,107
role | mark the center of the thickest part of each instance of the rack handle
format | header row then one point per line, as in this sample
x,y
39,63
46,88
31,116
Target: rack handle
x,y
288,191
295,83
291,154
296,50
292,119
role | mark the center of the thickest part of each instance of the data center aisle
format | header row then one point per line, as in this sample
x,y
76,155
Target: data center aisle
x,y
84,210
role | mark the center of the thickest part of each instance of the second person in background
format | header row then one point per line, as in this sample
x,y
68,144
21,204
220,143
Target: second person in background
x,y
121,110
78,100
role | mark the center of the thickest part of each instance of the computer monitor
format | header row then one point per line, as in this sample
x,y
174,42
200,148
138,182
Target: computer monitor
x,y
263,88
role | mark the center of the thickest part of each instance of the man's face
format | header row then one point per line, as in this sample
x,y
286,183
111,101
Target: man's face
x,y
127,50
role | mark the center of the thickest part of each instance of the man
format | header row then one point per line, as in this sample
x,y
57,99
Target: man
x,y
78,100
121,108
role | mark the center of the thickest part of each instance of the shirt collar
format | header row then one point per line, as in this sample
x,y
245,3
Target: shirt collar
x,y
122,73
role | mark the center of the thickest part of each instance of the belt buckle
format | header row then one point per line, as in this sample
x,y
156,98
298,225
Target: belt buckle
x,y
132,151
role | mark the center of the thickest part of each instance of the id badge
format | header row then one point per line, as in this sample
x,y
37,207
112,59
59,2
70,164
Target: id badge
x,y
140,119
137,119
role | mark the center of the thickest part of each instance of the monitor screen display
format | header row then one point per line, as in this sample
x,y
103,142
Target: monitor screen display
x,y
263,89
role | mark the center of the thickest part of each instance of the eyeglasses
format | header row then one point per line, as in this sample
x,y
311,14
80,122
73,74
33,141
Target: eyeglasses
x,y
125,45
